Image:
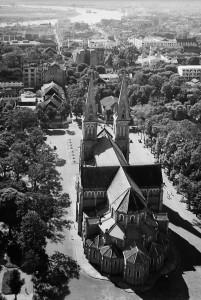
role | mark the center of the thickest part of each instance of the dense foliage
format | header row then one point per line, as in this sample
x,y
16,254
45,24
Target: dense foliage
x,y
32,205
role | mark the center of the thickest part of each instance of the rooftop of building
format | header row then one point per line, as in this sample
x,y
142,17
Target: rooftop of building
x,y
189,67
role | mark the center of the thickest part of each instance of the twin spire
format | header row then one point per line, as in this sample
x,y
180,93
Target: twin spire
x,y
90,95
123,104
123,99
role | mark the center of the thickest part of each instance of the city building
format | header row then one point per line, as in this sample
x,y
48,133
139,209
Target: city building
x,y
107,106
23,44
154,42
11,84
91,57
56,73
189,72
187,42
119,205
102,43
32,75
27,100
9,95
152,60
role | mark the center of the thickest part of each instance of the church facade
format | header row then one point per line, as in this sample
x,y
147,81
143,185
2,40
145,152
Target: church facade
x,y
119,205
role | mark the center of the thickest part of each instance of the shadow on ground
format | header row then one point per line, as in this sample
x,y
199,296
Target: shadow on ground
x,y
174,286
177,220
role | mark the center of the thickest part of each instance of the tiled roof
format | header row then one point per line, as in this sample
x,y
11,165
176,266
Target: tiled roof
x,y
117,231
111,251
106,152
145,175
95,242
117,192
92,221
131,202
97,177
135,254
109,101
106,224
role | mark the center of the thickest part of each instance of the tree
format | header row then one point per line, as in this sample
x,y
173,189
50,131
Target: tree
x,y
53,284
81,67
15,282
140,78
51,210
156,81
22,119
193,60
100,69
9,198
77,107
167,91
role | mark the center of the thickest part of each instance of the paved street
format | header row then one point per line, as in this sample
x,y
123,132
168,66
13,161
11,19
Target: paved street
x,y
86,287
182,285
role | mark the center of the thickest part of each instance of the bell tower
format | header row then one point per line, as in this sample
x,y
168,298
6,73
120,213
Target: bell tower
x,y
89,123
121,121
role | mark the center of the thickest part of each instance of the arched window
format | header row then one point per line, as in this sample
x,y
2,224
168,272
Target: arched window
x,y
115,264
106,263
94,254
89,194
138,274
121,218
132,219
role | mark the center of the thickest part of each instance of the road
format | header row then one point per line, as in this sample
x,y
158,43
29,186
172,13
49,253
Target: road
x,y
185,283
86,287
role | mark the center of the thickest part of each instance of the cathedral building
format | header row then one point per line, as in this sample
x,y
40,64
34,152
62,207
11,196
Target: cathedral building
x,y
119,205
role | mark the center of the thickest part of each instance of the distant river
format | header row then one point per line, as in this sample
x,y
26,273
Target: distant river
x,y
90,16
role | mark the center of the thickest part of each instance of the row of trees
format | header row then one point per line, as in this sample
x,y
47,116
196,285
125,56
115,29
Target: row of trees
x,y
176,144
32,205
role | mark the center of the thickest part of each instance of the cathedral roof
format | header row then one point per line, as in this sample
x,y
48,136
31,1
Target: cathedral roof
x,y
106,151
145,175
106,224
131,202
97,177
135,254
123,191
111,251
96,242
117,231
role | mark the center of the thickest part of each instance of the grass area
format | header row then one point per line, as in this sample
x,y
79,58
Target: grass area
x,y
5,288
